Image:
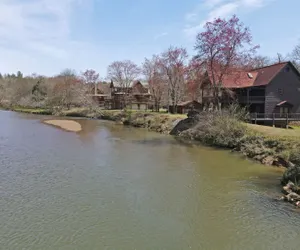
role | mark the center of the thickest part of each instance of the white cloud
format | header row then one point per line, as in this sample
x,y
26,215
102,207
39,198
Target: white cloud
x,y
254,3
160,35
222,11
36,28
218,8
35,20
212,3
190,17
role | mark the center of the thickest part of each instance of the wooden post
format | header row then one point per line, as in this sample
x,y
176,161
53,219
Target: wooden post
x,y
255,118
287,120
273,119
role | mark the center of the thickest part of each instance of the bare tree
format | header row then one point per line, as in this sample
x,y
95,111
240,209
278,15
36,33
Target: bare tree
x,y
259,62
280,58
295,56
123,73
68,91
156,80
173,65
91,77
296,53
68,72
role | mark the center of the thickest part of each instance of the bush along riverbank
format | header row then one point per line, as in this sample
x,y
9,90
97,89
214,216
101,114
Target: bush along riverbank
x,y
227,130
291,189
224,129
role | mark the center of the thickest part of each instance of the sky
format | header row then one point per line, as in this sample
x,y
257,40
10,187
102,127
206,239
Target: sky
x,y
47,36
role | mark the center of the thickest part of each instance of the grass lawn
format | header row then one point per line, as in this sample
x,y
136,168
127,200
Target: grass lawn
x,y
276,132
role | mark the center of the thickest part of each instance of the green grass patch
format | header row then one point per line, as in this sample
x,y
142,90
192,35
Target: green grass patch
x,y
33,111
276,132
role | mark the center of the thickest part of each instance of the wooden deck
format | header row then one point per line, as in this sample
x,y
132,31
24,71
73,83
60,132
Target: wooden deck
x,y
274,118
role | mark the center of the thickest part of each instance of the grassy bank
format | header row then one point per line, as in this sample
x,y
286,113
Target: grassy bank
x,y
270,146
33,111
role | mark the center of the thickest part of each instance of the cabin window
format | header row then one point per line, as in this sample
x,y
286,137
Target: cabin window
x,y
280,91
283,111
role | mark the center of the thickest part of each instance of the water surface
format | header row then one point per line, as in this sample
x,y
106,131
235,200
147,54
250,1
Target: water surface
x,y
113,187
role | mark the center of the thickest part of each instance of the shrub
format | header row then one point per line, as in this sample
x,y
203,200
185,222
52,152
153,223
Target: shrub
x,y
29,102
291,174
295,156
219,128
128,115
237,112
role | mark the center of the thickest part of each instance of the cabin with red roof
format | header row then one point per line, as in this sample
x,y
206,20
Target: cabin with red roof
x,y
271,89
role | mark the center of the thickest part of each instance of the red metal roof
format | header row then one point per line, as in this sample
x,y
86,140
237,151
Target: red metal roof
x,y
258,77
266,74
239,79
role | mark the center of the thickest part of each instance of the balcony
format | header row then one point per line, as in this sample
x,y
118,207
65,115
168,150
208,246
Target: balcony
x,y
252,99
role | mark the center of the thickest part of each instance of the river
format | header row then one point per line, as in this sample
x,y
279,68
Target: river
x,y
115,187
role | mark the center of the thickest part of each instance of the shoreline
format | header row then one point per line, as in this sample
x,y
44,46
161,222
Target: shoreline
x,y
263,148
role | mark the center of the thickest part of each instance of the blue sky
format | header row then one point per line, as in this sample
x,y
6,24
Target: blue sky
x,y
47,36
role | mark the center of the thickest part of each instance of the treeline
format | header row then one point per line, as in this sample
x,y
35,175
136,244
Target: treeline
x,y
172,76
62,91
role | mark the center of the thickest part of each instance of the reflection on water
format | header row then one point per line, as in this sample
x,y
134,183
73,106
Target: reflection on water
x,y
115,187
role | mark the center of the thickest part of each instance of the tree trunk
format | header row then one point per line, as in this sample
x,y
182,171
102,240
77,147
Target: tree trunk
x,y
174,108
157,107
216,99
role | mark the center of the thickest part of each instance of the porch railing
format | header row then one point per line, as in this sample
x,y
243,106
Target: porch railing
x,y
252,99
275,117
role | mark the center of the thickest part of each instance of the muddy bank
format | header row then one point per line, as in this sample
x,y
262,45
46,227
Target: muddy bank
x,y
67,125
